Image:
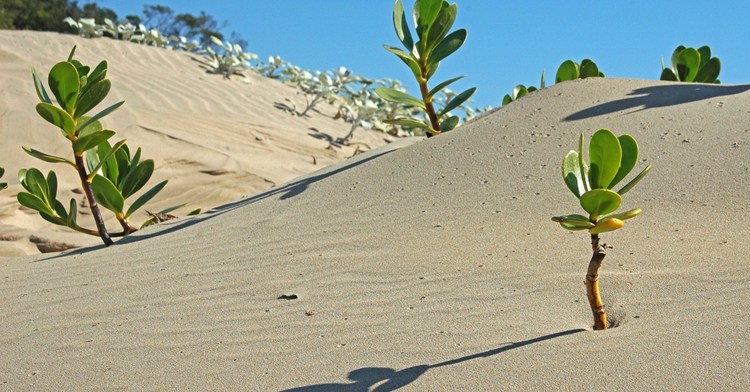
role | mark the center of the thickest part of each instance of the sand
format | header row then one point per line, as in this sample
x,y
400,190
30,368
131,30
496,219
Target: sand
x,y
423,265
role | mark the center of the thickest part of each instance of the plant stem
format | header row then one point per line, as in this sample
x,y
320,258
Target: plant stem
x,y
92,202
428,104
592,284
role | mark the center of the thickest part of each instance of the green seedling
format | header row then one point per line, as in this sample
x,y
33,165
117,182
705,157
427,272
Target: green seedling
x,y
692,65
433,20
570,70
108,173
521,90
3,185
611,159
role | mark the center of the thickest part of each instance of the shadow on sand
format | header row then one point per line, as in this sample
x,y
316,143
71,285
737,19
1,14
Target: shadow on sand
x,y
659,96
388,379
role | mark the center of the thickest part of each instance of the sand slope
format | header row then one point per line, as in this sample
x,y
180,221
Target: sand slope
x,y
430,266
216,140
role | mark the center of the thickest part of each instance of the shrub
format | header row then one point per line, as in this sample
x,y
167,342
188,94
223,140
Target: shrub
x,y
611,160
692,65
231,60
433,19
108,173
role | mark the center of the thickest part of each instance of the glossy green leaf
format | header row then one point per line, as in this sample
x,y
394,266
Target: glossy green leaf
x,y
568,70
65,85
72,52
93,96
46,157
393,95
407,122
451,43
92,127
583,168
688,63
57,117
145,198
52,186
425,12
457,101
41,92
634,181
571,172
440,27
588,69
407,59
33,181
605,155
709,72
71,219
107,195
34,202
441,86
576,219
629,148
101,114
449,124
104,154
136,179
599,202
675,56
99,73
401,27
705,53
91,140
668,75
507,99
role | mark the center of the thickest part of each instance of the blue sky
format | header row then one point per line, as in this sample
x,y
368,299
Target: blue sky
x,y
509,42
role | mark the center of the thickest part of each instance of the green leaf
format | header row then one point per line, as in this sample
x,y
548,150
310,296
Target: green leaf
x,y
588,69
393,95
57,117
65,85
99,73
709,72
447,46
107,194
407,122
574,222
40,91
634,181
92,127
623,215
441,86
541,84
407,59
71,220
705,53
440,27
605,155
33,181
688,63
598,202
46,157
582,166
93,96
431,69
668,75
457,101
145,198
519,91
571,172
101,114
52,186
401,27
568,70
135,180
72,52
629,149
425,12
34,202
507,99
449,124
104,155
91,140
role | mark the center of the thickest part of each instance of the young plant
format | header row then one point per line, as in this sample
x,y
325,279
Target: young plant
x,y
108,174
570,70
230,60
611,159
692,65
433,19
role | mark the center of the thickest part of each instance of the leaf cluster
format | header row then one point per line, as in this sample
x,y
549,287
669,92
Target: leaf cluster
x,y
611,159
692,65
571,70
433,20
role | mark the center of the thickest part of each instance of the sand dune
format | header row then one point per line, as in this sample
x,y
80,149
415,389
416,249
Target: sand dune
x,y
429,265
216,140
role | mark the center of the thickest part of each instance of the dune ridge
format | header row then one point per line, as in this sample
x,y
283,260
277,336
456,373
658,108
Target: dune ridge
x,y
429,265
